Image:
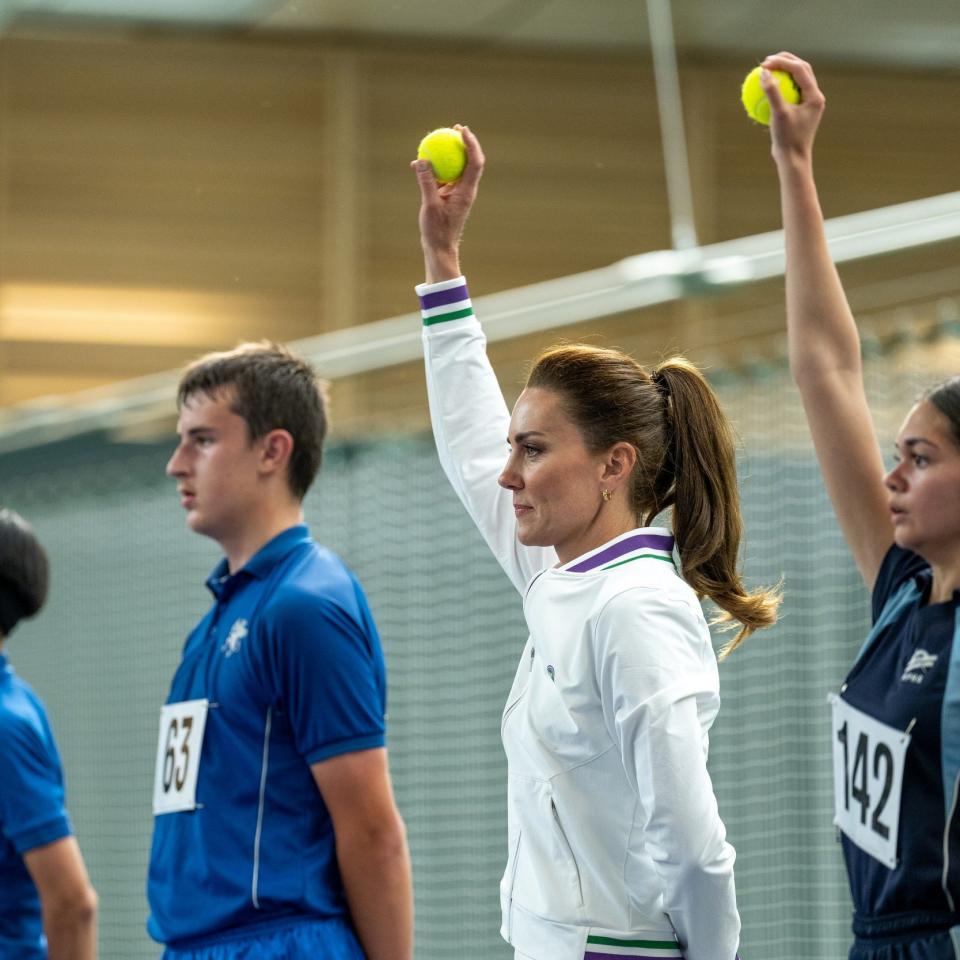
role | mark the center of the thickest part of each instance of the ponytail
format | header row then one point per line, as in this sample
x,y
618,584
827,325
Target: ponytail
x,y
698,477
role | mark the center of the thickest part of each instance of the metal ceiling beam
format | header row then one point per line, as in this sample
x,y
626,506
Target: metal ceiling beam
x,y
676,164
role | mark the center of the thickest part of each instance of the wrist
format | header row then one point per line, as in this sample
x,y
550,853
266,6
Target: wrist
x,y
441,265
794,162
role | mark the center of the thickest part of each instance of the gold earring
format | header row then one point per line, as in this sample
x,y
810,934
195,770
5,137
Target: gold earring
x,y
606,494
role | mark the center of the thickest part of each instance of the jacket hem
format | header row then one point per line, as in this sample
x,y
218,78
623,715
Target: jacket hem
x,y
540,938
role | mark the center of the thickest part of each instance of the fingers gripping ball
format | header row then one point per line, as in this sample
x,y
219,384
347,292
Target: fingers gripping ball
x,y
755,101
445,150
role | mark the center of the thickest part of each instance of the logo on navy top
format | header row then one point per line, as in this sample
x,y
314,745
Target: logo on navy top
x,y
917,668
238,631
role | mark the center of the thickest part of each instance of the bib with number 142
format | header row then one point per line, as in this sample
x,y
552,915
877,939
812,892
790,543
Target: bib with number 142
x,y
868,761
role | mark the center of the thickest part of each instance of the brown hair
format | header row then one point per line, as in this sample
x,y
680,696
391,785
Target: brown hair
x,y
272,389
24,571
685,460
946,398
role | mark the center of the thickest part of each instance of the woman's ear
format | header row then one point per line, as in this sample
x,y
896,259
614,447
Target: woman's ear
x,y
618,464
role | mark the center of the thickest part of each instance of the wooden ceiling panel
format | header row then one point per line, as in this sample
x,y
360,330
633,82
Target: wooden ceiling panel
x,y
162,196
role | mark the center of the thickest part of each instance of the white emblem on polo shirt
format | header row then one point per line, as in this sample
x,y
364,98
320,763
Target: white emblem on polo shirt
x,y
231,645
917,668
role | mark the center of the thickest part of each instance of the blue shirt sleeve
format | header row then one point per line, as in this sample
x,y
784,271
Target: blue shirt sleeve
x,y
327,665
32,810
898,566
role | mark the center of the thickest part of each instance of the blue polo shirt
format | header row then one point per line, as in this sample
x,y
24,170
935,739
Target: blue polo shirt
x,y
32,811
291,664
908,677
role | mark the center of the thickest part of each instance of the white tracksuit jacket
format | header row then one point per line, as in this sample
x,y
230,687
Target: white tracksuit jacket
x,y
615,845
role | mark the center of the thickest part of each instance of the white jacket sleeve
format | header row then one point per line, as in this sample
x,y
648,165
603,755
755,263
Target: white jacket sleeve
x,y
660,692
471,422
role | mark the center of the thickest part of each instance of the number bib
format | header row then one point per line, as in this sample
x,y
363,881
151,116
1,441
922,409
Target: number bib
x,y
868,761
178,756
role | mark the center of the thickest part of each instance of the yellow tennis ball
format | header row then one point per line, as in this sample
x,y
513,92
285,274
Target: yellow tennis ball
x,y
445,150
755,101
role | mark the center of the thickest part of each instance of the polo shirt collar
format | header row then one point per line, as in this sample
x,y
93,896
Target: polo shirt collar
x,y
264,561
6,668
924,582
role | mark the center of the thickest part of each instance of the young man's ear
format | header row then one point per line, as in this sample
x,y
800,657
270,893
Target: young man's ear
x,y
276,448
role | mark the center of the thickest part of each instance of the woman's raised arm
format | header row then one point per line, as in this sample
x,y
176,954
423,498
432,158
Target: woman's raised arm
x,y
823,341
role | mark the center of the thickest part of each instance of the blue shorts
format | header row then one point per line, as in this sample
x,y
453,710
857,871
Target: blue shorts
x,y
907,937
332,939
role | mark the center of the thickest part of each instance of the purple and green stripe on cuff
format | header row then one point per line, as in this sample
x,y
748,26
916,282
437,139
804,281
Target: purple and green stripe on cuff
x,y
440,306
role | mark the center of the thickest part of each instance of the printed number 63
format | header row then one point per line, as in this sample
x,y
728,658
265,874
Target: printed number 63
x,y
172,772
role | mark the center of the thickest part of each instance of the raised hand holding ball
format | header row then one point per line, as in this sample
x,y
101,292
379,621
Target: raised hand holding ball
x,y
754,99
446,152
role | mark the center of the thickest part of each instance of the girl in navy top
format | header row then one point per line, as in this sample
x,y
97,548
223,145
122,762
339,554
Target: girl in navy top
x,y
896,719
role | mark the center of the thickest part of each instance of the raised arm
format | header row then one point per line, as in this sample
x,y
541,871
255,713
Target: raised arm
x,y
823,341
444,209
467,410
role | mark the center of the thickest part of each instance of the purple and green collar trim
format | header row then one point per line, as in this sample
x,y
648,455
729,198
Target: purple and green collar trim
x,y
448,300
638,546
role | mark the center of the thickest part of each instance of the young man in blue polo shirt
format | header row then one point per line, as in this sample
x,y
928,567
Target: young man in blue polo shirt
x,y
48,909
276,833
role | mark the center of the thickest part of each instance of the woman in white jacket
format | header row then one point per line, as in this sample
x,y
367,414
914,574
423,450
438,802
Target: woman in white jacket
x,y
615,844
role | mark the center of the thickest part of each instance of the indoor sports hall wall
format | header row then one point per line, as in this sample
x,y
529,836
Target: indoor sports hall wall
x,y
163,194
127,584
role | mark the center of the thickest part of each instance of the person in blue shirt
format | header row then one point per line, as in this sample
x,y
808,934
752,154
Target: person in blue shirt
x,y
276,833
48,909
896,720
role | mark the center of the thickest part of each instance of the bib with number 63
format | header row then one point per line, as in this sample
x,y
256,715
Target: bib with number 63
x,y
178,756
868,761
